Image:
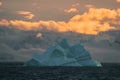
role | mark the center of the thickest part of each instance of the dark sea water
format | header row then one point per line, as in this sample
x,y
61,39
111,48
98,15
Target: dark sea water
x,y
16,71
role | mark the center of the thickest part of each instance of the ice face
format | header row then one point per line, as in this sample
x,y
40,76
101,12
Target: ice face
x,y
64,43
62,54
78,51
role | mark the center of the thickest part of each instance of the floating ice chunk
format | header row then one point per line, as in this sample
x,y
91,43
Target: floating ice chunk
x,y
62,54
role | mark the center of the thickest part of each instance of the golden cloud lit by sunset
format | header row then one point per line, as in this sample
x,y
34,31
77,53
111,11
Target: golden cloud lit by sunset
x,y
4,23
71,10
91,22
26,14
0,3
89,6
39,35
118,0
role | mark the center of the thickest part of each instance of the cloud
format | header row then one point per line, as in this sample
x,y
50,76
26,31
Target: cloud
x,y
71,10
4,22
92,22
18,45
89,6
0,3
27,14
39,35
118,0
24,25
75,5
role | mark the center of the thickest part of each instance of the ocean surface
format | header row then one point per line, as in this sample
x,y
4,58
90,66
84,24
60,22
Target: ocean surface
x,y
17,71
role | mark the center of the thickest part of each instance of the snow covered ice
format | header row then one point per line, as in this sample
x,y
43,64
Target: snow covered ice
x,y
63,54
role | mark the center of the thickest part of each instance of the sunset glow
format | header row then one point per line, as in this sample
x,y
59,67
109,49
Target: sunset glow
x,y
29,26
93,21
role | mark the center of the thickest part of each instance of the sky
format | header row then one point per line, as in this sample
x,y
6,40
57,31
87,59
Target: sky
x,y
25,24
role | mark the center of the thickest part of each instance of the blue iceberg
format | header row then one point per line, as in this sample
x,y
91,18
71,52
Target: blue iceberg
x,y
63,54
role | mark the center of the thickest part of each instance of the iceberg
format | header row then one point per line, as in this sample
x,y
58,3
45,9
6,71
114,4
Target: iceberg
x,y
63,54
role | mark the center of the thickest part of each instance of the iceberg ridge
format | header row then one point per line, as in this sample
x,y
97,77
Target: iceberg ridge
x,y
63,54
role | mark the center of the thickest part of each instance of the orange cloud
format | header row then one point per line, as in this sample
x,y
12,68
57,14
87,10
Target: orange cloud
x,y
0,3
91,22
4,22
39,35
71,10
89,6
24,25
118,11
27,14
89,27
102,13
49,25
118,0
75,5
